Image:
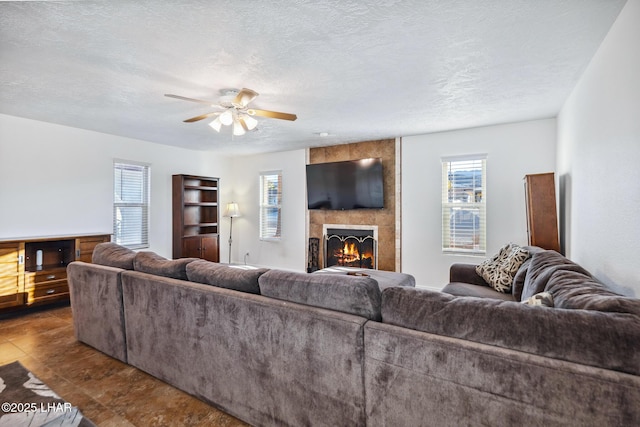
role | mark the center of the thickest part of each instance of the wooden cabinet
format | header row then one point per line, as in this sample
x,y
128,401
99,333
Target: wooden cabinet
x,y
542,217
86,244
11,274
195,217
33,270
205,247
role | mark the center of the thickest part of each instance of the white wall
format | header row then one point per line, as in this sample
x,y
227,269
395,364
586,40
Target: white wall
x,y
289,252
513,150
599,159
59,180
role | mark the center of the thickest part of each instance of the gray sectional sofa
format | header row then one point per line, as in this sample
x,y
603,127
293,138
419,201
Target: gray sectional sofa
x,y
282,348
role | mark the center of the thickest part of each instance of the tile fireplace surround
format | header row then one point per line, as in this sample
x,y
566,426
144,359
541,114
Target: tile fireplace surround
x,y
386,219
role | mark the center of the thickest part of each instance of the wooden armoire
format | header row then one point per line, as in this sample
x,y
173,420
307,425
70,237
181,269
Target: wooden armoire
x,y
542,216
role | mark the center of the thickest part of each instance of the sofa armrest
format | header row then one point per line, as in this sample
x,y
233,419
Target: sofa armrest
x,y
465,273
95,292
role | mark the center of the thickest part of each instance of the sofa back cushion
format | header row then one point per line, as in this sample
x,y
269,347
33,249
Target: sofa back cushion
x,y
152,263
518,280
239,278
574,290
113,255
349,294
521,275
543,265
581,336
572,287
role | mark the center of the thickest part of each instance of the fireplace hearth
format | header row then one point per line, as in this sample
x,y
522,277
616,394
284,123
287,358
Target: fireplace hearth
x,y
350,246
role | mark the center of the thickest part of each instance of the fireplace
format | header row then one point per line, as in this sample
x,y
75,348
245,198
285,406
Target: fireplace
x,y
350,245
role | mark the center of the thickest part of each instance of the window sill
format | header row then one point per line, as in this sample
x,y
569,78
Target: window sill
x,y
478,254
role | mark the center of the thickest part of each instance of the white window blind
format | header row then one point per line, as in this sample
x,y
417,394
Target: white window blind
x,y
464,204
131,204
270,205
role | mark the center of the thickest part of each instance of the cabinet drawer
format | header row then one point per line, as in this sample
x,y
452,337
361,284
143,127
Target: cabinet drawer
x,y
55,289
46,286
50,276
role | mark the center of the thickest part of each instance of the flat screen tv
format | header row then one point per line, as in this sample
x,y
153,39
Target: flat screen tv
x,y
354,184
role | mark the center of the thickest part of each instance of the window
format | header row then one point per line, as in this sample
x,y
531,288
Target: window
x,y
131,204
463,204
270,205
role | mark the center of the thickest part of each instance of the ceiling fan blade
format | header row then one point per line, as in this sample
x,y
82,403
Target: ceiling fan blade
x,y
244,97
201,117
184,98
272,114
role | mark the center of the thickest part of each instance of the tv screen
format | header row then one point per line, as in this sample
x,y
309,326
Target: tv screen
x,y
354,184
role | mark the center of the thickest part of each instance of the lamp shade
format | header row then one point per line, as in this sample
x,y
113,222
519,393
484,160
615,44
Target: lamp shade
x,y
249,121
232,210
238,130
216,124
226,118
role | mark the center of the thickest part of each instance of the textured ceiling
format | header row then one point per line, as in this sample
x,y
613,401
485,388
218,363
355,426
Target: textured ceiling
x,y
358,70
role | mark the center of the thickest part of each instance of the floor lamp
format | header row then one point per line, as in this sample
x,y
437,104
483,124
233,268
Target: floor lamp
x,y
231,211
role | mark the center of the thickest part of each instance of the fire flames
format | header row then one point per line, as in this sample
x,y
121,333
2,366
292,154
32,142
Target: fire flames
x,y
348,255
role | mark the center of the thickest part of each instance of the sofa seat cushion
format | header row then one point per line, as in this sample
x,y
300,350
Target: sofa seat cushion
x,y
152,263
236,277
384,278
113,255
471,290
581,336
500,270
357,295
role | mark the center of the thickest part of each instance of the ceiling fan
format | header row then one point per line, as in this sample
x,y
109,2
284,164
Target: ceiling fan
x,y
233,106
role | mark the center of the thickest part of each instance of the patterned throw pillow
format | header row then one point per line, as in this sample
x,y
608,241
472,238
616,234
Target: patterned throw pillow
x,y
500,270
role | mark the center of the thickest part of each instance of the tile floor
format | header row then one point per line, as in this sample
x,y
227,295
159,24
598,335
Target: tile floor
x,y
107,391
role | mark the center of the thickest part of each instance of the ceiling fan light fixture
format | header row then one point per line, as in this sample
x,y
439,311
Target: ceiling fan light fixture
x,y
233,111
249,121
216,124
226,118
238,130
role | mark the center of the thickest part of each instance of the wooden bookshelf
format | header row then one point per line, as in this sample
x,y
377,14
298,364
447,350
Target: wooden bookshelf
x,y
195,217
